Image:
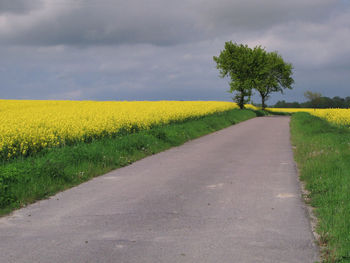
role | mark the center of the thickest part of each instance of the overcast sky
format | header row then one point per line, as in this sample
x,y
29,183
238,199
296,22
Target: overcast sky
x,y
163,49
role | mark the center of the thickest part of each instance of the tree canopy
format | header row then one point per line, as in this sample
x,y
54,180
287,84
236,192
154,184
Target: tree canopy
x,y
274,76
236,61
253,69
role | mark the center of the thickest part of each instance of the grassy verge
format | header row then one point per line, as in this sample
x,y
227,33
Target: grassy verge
x,y
278,113
24,180
323,156
267,112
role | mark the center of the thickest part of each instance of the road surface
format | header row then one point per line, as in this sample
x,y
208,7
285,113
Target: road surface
x,y
231,196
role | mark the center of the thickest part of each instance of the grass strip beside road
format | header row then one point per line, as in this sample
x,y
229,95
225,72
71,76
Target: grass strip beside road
x,y
25,180
322,151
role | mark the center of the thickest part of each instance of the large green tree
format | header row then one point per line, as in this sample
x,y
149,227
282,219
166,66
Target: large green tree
x,y
273,74
236,62
253,69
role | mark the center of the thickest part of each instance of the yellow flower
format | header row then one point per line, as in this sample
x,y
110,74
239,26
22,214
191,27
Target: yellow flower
x,y
336,116
29,126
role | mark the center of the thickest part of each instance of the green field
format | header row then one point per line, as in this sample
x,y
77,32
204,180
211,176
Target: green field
x,y
322,152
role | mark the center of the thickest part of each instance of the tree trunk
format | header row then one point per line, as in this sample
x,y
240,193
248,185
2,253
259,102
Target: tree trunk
x,y
263,102
241,101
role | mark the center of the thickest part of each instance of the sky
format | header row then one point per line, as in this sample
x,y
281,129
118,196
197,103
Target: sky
x,y
163,49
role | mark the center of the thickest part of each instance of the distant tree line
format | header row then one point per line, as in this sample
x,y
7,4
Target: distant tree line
x,y
316,100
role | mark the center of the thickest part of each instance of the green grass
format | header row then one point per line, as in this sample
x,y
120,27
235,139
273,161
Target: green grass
x,y
323,156
25,180
265,112
278,113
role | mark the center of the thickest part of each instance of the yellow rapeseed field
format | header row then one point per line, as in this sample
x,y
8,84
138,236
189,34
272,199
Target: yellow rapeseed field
x,y
28,126
336,116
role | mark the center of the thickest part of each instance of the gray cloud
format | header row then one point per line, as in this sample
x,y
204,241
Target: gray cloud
x,y
158,22
257,15
157,49
19,6
103,22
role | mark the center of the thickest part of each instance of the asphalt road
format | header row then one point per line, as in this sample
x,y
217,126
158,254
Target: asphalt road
x,y
231,196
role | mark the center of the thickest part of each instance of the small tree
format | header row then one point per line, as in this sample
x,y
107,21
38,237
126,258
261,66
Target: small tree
x,y
272,74
235,61
314,98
